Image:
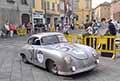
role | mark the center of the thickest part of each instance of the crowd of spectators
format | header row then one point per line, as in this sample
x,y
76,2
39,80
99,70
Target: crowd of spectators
x,y
93,28
104,27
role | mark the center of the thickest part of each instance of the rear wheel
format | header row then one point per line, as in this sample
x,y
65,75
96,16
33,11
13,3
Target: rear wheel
x,y
52,67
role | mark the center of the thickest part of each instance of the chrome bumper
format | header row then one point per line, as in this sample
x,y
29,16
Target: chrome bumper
x,y
78,70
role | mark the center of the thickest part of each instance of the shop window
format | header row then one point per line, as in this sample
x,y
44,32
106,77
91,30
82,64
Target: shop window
x,y
53,6
33,2
48,5
87,18
87,4
43,4
58,8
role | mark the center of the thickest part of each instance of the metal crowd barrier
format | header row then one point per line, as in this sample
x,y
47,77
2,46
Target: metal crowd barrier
x,y
102,44
52,29
74,38
117,44
21,31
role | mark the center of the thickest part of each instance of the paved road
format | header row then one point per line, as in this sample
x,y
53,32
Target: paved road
x,y
13,69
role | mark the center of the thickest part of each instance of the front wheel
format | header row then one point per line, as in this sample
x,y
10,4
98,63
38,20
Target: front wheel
x,y
24,59
52,67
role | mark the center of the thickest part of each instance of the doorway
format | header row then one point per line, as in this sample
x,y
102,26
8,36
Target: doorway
x,y
25,18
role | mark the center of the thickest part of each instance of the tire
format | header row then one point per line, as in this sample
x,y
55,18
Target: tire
x,y
51,67
24,59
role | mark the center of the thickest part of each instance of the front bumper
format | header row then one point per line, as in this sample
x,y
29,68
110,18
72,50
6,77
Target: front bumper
x,y
78,70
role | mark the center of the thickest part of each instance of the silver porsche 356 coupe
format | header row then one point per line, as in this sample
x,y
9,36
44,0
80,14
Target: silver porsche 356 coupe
x,y
52,52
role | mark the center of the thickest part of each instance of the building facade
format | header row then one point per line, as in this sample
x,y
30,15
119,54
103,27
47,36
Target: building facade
x,y
84,11
15,11
74,5
48,11
102,11
115,10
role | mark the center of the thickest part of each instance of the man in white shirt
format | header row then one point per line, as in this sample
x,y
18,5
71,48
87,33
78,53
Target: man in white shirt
x,y
90,29
7,28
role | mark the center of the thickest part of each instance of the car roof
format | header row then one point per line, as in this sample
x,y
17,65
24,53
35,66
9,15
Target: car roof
x,y
39,35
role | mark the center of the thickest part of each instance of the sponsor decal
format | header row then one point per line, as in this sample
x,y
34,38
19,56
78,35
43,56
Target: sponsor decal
x,y
65,49
78,51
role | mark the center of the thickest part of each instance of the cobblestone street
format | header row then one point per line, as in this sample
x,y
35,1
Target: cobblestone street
x,y
13,69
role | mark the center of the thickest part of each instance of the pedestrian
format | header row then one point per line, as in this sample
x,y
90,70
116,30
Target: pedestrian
x,y
55,25
103,27
118,26
66,29
72,26
48,27
60,27
86,25
45,28
23,26
89,29
14,28
38,27
95,26
7,29
11,30
111,28
35,28
29,28
94,23
3,32
42,27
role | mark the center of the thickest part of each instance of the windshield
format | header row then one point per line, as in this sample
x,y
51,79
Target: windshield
x,y
54,39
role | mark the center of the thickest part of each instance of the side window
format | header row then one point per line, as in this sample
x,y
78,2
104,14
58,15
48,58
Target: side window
x,y
34,41
42,41
37,42
49,40
30,41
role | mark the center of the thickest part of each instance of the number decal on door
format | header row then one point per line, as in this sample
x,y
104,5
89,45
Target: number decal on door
x,y
40,57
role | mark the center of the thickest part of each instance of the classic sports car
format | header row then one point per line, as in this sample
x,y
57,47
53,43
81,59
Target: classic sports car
x,y
52,52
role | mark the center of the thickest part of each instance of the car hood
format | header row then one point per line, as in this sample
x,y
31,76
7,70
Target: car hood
x,y
80,52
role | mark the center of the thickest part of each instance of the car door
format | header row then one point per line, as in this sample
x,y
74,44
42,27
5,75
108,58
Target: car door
x,y
38,57
31,48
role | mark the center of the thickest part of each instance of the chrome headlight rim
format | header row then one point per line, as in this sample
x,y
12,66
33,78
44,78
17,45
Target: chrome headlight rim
x,y
68,59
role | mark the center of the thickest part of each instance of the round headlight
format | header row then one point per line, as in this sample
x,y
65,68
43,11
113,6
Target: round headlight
x,y
68,59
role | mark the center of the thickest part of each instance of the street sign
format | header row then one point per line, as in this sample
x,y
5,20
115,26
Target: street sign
x,y
38,15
